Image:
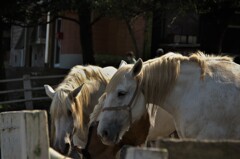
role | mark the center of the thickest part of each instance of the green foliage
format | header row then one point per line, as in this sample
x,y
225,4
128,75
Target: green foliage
x,y
34,12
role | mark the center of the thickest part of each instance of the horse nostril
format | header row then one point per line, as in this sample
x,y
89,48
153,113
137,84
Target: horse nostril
x,y
67,148
105,133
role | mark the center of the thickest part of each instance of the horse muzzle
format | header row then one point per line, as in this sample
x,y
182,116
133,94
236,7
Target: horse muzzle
x,y
110,134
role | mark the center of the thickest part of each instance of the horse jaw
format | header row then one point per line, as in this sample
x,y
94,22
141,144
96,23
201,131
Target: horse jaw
x,y
49,91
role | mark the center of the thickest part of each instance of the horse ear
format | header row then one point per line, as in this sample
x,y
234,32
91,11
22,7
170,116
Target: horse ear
x,y
49,91
75,92
122,63
137,67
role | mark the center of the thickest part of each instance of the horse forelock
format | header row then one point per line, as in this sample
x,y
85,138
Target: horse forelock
x,y
117,77
79,106
59,107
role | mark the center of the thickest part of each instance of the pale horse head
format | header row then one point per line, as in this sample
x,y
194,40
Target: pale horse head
x,y
123,103
62,120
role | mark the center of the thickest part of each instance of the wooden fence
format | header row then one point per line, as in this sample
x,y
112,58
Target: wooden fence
x,y
185,149
27,89
24,134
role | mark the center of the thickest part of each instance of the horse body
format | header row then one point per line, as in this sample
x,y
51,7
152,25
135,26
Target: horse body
x,y
202,93
211,110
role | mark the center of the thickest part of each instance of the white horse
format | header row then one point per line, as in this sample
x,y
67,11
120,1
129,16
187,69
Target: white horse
x,y
72,103
201,92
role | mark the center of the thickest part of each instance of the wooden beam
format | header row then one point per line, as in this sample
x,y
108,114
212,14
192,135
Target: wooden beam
x,y
200,149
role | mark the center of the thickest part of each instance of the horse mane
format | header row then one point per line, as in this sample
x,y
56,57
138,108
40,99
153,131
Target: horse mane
x,y
57,109
79,74
76,76
79,108
166,70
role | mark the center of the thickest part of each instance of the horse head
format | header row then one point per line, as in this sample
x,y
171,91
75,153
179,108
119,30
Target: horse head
x,y
62,120
124,103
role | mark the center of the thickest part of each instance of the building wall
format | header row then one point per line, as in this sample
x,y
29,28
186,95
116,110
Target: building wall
x,y
111,36
38,51
70,45
70,42
16,57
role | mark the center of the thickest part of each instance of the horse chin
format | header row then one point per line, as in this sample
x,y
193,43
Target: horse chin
x,y
116,140
110,142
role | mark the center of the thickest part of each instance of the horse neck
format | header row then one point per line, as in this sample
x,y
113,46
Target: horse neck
x,y
158,81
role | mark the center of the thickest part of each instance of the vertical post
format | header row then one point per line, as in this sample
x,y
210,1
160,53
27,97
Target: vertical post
x,y
24,134
46,60
27,92
27,52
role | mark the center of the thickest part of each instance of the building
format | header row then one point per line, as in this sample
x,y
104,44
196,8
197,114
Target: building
x,y
110,37
58,45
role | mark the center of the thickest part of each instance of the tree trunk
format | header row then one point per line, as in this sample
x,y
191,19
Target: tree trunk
x,y
157,31
133,38
213,27
86,35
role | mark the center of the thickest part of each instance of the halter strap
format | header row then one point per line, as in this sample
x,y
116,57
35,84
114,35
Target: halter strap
x,y
125,107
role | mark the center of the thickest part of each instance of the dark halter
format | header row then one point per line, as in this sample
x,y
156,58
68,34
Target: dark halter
x,y
125,107
84,151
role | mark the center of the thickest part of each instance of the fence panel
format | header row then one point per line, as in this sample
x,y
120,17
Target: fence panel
x,y
32,90
200,149
24,134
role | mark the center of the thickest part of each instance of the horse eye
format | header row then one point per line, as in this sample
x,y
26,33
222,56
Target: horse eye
x,y
121,93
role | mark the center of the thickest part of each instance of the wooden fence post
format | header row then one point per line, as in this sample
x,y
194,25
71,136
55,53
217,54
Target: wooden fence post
x,y
200,149
27,91
143,153
24,135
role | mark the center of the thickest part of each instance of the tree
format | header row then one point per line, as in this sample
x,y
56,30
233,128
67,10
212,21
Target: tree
x,y
127,11
215,16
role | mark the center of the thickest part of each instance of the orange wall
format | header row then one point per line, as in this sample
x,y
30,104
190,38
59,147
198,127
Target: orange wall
x,y
110,36
70,44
